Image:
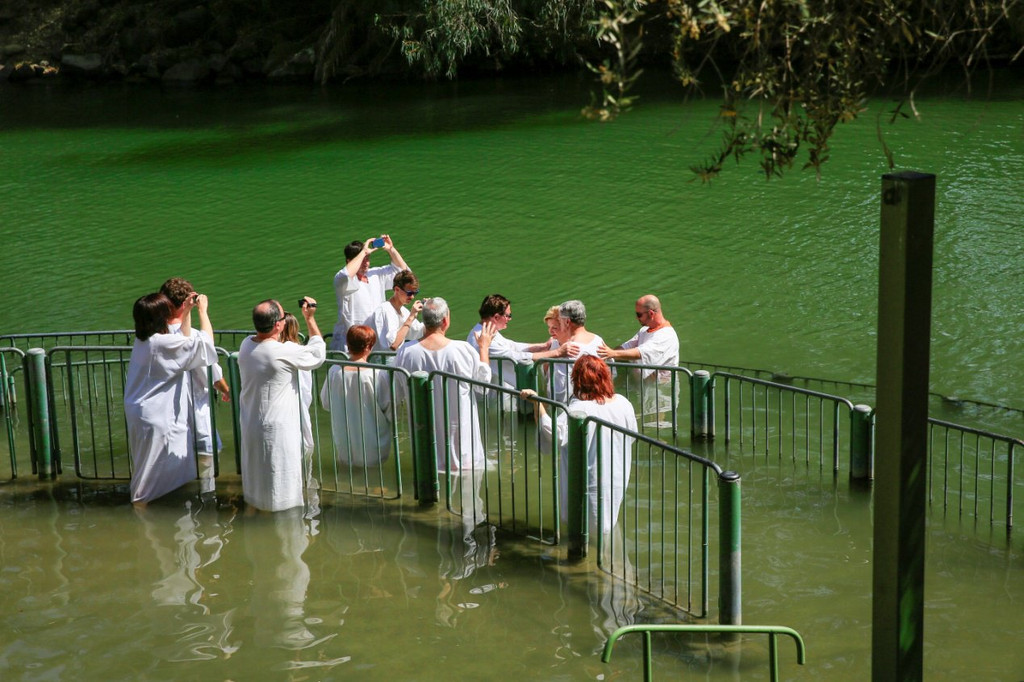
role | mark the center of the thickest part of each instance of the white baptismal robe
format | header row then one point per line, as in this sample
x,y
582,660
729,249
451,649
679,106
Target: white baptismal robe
x,y
386,321
465,449
158,410
616,455
357,300
269,411
660,347
563,370
359,400
504,354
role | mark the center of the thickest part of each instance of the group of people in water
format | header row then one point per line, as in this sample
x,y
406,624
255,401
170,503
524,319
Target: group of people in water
x,y
166,393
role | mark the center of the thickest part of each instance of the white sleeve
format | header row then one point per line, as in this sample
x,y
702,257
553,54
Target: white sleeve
x,y
659,349
325,390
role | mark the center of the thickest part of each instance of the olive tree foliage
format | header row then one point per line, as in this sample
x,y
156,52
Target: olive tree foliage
x,y
792,70
437,36
788,71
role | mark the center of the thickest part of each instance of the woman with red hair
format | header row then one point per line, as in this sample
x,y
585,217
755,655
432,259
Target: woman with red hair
x,y
594,396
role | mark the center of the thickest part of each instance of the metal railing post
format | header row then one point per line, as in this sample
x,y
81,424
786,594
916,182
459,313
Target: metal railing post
x,y
235,383
577,494
701,416
862,456
423,455
526,377
730,589
39,406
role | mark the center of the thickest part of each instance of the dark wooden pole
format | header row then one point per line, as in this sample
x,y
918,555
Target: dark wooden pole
x,y
901,426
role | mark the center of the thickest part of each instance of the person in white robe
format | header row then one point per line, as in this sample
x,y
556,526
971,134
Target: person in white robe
x,y
290,333
505,353
594,396
359,288
157,397
459,448
270,407
359,400
392,322
572,315
656,343
207,440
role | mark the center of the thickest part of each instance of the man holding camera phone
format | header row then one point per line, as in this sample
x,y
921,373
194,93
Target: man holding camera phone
x,y
361,289
270,408
180,291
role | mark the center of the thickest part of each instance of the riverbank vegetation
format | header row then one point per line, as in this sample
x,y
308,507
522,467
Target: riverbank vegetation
x,y
787,72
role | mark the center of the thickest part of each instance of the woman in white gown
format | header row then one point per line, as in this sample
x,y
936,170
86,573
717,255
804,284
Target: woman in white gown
x,y
156,394
359,400
594,396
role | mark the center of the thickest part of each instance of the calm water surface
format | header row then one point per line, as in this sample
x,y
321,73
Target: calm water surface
x,y
486,187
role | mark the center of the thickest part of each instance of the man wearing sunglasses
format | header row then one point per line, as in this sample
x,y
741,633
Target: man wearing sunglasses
x,y
391,320
656,343
270,411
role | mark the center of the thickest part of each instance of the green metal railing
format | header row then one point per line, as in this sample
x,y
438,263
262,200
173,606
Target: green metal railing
x,y
333,465
9,371
790,419
227,338
773,632
85,388
661,398
662,541
971,471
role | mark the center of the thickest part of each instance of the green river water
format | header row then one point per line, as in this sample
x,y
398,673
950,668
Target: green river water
x,y
489,187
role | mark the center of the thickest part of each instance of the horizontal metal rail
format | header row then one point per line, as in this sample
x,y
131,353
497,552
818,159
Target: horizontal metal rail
x,y
806,429
661,544
348,456
970,469
773,632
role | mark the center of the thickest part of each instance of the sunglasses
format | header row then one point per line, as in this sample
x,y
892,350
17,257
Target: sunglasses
x,y
411,293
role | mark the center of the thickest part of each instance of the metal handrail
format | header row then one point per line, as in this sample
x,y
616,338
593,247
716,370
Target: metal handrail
x,y
773,631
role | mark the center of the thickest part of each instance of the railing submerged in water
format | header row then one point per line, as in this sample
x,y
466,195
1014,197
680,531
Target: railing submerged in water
x,y
662,542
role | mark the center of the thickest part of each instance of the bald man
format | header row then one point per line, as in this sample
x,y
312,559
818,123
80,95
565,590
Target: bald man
x,y
655,344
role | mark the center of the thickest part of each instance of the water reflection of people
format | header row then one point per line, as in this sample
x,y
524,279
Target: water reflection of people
x,y
156,394
280,579
188,551
594,396
462,551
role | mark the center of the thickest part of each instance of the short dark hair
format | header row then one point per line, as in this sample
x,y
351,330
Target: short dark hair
x,y
405,279
353,250
360,338
178,290
266,314
492,305
151,313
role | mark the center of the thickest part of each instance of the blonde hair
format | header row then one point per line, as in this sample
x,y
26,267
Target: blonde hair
x,y
551,314
290,331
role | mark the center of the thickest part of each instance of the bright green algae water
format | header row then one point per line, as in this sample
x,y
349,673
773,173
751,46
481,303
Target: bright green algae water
x,y
487,187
